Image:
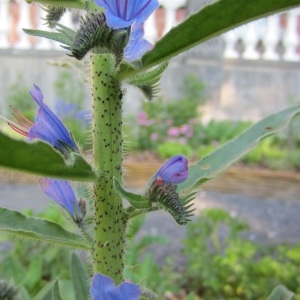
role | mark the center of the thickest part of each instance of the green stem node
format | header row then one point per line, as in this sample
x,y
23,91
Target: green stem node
x,y
110,220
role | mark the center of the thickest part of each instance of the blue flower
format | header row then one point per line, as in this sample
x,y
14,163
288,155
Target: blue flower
x,y
103,288
62,193
47,127
174,170
123,13
137,45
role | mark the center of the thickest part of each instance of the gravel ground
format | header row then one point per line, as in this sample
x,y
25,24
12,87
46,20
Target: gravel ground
x,y
271,220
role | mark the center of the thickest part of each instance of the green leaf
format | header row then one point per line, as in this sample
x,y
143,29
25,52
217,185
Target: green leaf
x,y
16,223
223,157
79,278
79,4
136,200
210,22
42,159
281,293
55,36
56,291
45,292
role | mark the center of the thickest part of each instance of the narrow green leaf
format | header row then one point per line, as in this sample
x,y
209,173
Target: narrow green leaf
x,y
16,223
281,293
55,36
79,4
223,157
137,201
79,278
56,291
44,293
42,159
210,22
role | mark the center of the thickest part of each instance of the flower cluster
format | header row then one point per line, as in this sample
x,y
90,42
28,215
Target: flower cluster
x,y
49,128
163,185
130,14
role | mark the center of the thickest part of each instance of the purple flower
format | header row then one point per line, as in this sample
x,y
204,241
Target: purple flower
x,y
62,193
47,127
174,170
103,288
137,45
123,13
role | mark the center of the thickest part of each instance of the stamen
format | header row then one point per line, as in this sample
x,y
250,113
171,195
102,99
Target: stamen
x,y
18,130
21,116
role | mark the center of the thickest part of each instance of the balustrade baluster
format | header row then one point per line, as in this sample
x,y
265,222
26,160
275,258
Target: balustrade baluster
x,y
171,6
4,24
230,39
24,22
291,36
150,29
42,43
272,38
250,41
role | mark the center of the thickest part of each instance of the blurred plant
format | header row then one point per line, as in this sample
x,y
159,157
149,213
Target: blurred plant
x,y
70,88
19,98
140,264
33,266
221,264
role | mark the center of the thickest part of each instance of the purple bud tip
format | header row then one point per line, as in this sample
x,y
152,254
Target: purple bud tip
x,y
174,170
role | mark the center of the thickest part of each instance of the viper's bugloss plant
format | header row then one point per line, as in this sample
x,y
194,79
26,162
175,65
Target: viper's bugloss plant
x,y
111,32
47,126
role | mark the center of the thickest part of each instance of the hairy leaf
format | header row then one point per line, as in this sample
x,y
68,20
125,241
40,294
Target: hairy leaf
x,y
210,22
79,278
281,293
56,291
16,223
137,201
220,159
42,159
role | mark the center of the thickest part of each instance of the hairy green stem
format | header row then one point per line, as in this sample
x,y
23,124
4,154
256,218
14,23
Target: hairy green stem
x,y
110,220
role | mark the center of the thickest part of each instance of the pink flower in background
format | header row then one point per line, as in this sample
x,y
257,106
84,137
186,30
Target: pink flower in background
x,y
154,136
142,119
187,130
174,132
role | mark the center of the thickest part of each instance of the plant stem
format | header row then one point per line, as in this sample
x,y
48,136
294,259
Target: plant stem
x,y
110,220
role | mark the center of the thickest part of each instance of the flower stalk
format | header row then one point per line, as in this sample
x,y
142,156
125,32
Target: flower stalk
x,y
109,218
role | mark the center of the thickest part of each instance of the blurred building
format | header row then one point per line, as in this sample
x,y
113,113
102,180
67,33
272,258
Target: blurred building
x,y
248,72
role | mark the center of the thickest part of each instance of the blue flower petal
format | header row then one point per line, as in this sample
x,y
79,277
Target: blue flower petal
x,y
48,126
174,170
129,291
62,193
123,13
103,288
137,45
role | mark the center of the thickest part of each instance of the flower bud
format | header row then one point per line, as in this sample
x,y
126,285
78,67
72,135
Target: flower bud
x,y
175,170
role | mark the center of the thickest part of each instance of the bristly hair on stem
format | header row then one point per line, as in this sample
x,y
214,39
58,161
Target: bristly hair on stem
x,y
95,34
54,14
167,196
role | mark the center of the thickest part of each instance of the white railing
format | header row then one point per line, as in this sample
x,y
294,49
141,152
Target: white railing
x,y
17,15
273,38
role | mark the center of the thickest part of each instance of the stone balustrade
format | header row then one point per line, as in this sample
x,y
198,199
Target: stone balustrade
x,y
15,15
273,38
